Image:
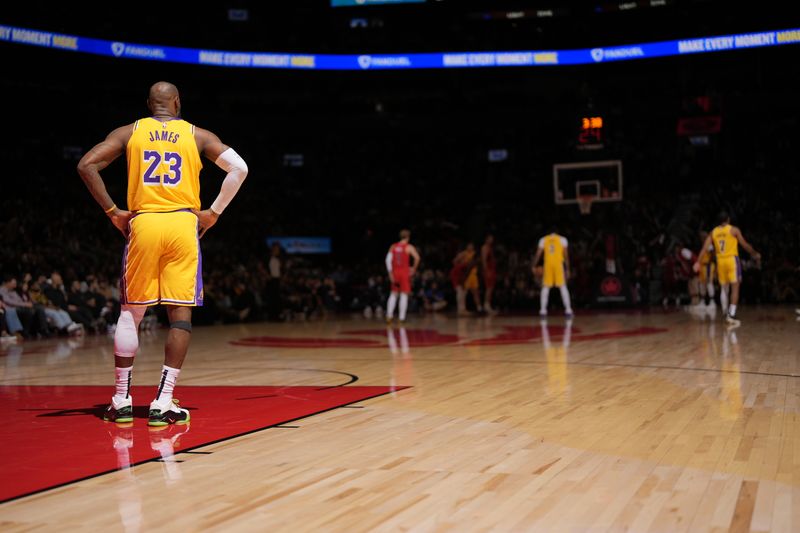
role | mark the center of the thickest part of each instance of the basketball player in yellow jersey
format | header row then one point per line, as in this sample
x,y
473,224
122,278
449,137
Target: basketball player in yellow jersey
x,y
163,224
726,240
556,269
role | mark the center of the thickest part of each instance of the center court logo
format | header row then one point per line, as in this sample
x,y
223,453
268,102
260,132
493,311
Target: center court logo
x,y
597,54
364,61
117,48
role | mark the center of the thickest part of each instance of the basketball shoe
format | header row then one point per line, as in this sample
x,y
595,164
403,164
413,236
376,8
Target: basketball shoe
x,y
167,413
120,411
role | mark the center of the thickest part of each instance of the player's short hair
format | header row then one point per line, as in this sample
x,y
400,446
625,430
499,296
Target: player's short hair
x,y
723,217
405,234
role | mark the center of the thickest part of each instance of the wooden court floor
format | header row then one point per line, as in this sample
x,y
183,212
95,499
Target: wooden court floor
x,y
614,422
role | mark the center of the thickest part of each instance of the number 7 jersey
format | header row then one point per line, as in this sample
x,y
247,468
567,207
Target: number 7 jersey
x,y
725,244
163,166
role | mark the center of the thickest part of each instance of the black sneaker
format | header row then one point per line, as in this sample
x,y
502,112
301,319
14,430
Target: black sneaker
x,y
163,415
120,412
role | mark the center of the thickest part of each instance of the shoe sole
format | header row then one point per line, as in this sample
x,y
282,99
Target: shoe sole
x,y
126,420
162,423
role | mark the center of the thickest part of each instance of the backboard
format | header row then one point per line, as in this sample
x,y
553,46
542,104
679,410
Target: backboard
x,y
602,180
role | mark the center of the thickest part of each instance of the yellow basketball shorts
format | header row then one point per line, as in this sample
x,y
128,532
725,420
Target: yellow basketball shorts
x,y
553,274
162,261
729,270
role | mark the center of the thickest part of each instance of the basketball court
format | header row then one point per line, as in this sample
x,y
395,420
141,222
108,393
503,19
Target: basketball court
x,y
619,421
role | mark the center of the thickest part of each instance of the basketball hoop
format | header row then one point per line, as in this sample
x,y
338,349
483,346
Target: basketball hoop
x,y
585,204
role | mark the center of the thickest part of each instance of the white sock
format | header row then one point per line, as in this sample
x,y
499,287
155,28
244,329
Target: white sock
x,y
711,290
123,382
126,335
565,298
543,298
403,305
732,310
169,376
723,298
391,305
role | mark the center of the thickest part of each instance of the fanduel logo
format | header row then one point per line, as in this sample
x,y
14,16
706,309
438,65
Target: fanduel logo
x,y
117,48
364,61
597,54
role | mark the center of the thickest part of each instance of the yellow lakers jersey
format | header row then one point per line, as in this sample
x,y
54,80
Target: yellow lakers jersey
x,y
163,166
553,246
725,244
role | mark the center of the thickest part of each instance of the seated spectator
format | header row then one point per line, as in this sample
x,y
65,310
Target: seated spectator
x,y
57,295
10,326
56,316
434,298
33,318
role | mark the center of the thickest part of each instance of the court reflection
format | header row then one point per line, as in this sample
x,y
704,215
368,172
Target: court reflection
x,y
731,377
557,356
129,497
162,440
402,372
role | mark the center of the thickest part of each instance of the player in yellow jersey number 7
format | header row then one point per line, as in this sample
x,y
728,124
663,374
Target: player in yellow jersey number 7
x,y
726,240
162,262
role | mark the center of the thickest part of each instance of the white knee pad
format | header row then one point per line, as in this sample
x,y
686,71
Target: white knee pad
x,y
126,336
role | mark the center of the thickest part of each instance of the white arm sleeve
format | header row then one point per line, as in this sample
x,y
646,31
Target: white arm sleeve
x,y
541,242
230,162
389,261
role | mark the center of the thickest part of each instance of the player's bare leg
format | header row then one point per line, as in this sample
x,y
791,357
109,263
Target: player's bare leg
x,y
730,318
544,296
126,344
403,307
724,291
487,300
565,299
390,305
710,291
461,300
164,409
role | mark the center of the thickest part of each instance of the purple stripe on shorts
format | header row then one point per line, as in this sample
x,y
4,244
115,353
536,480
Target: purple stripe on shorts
x,y
198,282
738,269
123,286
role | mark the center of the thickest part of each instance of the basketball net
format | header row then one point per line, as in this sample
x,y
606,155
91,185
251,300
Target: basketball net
x,y
585,204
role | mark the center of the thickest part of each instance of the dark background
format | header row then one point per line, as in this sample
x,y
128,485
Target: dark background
x,y
385,150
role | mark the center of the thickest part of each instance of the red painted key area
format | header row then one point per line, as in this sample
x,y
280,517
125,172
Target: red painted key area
x,y
53,435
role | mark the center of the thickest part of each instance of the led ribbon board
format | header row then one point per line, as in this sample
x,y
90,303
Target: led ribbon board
x,y
519,58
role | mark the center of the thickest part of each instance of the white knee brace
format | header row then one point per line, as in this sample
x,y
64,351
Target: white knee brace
x,y
126,336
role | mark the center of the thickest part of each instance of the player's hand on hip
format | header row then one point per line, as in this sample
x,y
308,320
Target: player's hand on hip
x,y
121,219
206,219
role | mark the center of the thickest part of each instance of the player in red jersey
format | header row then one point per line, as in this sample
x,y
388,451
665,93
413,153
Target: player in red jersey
x,y
400,273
